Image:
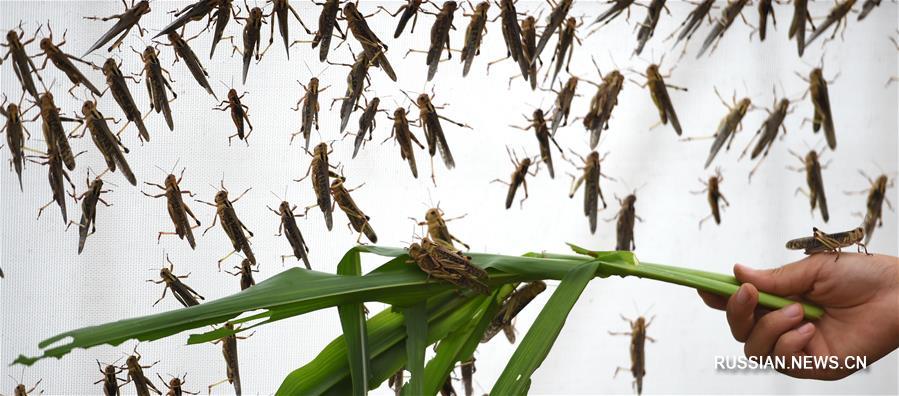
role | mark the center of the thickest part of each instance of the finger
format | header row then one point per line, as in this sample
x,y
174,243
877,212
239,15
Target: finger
x,y
713,300
770,328
741,311
791,279
794,341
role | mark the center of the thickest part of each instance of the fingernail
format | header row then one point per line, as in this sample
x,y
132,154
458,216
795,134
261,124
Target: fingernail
x,y
806,329
793,311
742,268
743,294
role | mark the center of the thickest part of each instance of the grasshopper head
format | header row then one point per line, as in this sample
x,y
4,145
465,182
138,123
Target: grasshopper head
x,y
109,67
46,43
88,107
284,208
221,197
232,95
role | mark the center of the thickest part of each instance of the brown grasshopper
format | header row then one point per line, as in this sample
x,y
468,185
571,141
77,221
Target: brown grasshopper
x,y
440,37
367,123
766,9
371,44
834,243
178,210
194,12
245,271
528,49
437,229
89,198
444,263
279,11
729,14
874,203
186,295
562,107
405,138
812,169
474,34
395,382
410,11
447,388
175,386
648,27
729,125
183,51
54,134
115,82
291,231
430,122
63,62
823,116
838,15
714,196
358,220
693,21
613,11
867,7
468,369
797,25
142,384
110,379
638,354
768,132
231,224
22,64
232,368
518,178
624,229
321,171
55,175
538,123
514,304
565,47
355,85
512,36
310,109
658,89
597,118
21,390
157,84
15,135
107,143
553,22
239,114
590,180
124,23
327,22
222,17
252,37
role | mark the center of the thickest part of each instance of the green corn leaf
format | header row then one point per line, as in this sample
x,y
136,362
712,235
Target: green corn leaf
x,y
352,320
416,321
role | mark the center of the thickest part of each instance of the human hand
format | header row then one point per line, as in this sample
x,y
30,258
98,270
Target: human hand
x,y
860,297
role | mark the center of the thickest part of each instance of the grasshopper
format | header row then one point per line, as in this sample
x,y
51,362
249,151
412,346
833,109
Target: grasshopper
x,y
447,264
157,84
89,198
124,23
291,231
766,9
474,34
246,274
838,14
565,47
175,385
638,356
658,89
355,85
590,180
109,145
823,116
410,11
714,196
239,114
439,37
279,11
252,36
648,27
55,175
115,82
768,132
194,12
553,22
468,369
367,123
430,122
371,44
54,134
178,210
405,138
874,203
729,14
183,51
358,220
812,169
614,11
538,123
867,7
231,224
693,21
321,171
63,62
142,384
395,381
528,50
21,390
310,109
518,178
22,65
624,229
512,36
232,368
15,135
513,305
437,229
327,22
222,17
186,295
729,125
834,243
562,107
797,25
602,104
110,379
447,388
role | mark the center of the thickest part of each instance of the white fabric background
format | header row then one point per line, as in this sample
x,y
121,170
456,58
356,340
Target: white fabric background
x,y
49,289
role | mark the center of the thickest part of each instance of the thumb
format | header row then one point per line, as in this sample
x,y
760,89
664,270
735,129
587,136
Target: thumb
x,y
791,279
